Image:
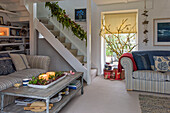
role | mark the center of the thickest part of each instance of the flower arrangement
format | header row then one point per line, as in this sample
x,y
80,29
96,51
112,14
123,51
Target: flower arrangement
x,y
46,78
66,21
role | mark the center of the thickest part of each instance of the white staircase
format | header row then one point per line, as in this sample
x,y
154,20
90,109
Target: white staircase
x,y
73,57
16,6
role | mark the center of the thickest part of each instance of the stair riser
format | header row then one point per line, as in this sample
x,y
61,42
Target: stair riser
x,y
50,27
68,46
57,33
62,40
44,21
80,58
74,52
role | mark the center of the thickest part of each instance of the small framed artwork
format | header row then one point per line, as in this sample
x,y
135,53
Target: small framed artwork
x,y
80,15
1,20
161,32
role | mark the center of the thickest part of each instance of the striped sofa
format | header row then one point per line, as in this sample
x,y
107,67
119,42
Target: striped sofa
x,y
146,80
38,64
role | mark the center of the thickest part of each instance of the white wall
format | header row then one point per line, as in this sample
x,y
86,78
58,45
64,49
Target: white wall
x,y
157,9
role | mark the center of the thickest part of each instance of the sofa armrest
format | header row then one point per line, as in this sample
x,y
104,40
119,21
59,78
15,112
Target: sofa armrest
x,y
39,62
128,66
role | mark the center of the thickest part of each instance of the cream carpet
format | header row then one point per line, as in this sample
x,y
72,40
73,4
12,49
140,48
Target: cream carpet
x,y
104,96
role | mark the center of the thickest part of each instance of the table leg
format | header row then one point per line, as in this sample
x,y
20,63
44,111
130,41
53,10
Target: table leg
x,y
47,105
2,102
82,91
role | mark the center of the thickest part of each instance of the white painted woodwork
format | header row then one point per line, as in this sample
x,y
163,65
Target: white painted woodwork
x,y
33,33
81,45
60,48
89,41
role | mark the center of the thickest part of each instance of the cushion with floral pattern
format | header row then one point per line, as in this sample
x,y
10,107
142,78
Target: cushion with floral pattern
x,y
162,63
6,65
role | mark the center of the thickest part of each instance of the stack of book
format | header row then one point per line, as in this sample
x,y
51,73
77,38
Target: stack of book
x,y
75,84
24,101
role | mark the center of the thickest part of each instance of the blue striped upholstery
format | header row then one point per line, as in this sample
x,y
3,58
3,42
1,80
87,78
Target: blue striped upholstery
x,y
6,82
157,84
151,75
39,62
27,73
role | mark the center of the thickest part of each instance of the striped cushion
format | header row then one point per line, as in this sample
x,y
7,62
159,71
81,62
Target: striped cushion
x,y
6,82
20,61
39,62
27,73
151,75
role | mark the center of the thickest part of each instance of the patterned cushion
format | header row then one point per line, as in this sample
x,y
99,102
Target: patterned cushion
x,y
6,65
162,63
27,73
20,61
142,61
6,82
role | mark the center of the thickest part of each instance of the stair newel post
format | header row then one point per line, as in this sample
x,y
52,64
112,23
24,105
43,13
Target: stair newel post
x,y
89,42
33,32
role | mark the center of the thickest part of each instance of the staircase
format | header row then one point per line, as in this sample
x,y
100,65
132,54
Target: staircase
x,y
67,45
16,6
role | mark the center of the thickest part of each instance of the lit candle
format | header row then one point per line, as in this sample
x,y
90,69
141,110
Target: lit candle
x,y
44,76
50,73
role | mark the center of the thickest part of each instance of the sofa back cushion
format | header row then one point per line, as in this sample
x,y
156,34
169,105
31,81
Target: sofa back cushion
x,y
142,61
6,64
20,61
151,54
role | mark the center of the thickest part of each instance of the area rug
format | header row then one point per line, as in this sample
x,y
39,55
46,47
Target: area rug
x,y
154,104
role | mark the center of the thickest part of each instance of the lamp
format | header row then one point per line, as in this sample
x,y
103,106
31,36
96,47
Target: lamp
x,y
2,33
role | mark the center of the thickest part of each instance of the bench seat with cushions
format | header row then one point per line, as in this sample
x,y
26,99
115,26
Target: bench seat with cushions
x,y
38,64
147,77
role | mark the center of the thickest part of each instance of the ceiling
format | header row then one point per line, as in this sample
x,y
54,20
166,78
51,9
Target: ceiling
x,y
102,2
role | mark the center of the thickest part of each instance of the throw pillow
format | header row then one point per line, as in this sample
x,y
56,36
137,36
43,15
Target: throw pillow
x,y
162,63
142,62
6,65
20,61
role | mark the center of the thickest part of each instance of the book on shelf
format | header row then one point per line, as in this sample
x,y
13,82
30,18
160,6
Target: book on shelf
x,y
24,101
74,85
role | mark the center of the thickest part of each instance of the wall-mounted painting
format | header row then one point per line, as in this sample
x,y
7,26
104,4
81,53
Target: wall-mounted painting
x,y
80,15
161,32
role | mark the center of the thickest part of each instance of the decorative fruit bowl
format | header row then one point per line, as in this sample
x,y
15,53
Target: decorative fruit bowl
x,y
46,80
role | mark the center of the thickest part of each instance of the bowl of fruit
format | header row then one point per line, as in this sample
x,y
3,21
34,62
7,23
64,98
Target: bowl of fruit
x,y
46,80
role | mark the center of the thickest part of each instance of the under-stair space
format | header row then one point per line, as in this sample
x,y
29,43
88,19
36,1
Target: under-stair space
x,y
67,44
15,6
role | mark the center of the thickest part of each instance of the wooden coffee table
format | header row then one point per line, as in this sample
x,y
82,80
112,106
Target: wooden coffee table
x,y
45,94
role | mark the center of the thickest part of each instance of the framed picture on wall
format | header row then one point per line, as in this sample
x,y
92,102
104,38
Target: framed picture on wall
x,y
80,15
161,32
1,20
